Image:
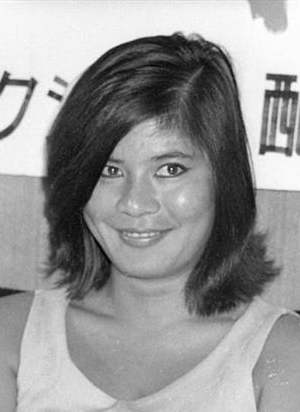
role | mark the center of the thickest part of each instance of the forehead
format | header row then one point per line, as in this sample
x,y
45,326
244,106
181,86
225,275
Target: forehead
x,y
150,138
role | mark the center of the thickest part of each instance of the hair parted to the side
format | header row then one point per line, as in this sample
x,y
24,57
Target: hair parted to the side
x,y
187,84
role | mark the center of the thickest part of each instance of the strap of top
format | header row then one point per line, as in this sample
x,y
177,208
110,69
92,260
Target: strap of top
x,y
43,333
251,334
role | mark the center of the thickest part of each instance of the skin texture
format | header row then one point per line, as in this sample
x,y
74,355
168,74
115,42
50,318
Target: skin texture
x,y
154,181
277,372
14,310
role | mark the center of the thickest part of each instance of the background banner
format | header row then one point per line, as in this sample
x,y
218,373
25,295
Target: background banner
x,y
45,45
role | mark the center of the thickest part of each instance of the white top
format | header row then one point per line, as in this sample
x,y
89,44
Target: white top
x,y
48,380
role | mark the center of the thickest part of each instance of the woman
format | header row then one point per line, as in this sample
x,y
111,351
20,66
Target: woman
x,y
151,210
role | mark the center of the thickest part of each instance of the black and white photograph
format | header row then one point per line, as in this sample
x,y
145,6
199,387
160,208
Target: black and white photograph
x,y
149,206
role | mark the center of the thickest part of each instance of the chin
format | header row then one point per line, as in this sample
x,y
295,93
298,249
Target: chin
x,y
140,271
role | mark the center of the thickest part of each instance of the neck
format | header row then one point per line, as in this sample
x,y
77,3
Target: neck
x,y
152,303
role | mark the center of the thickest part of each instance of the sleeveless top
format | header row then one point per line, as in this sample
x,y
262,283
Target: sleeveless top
x,y
48,380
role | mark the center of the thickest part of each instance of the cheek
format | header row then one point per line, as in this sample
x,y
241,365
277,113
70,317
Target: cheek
x,y
99,204
96,212
93,213
191,202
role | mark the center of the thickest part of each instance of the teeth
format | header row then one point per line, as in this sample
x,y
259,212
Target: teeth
x,y
139,235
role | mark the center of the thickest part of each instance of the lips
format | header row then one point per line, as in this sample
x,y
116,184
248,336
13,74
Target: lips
x,y
142,238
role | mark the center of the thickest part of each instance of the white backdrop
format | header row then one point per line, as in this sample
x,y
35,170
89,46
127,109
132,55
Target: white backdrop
x,y
52,42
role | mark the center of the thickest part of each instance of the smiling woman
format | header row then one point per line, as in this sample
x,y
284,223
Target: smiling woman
x,y
151,209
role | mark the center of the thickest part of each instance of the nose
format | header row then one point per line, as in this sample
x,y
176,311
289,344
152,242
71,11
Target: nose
x,y
139,198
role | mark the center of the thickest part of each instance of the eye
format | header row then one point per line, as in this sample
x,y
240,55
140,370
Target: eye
x,y
111,171
171,170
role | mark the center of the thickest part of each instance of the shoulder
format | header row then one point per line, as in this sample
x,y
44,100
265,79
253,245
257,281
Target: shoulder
x,y
278,367
14,310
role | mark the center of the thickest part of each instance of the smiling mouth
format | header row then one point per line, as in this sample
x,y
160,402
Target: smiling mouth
x,y
142,238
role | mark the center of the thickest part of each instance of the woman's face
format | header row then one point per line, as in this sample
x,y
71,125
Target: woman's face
x,y
153,207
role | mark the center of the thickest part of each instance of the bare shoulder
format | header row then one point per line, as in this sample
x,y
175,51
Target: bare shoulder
x,y
278,368
14,311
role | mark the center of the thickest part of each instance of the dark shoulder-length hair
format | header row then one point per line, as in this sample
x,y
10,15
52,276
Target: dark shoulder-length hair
x,y
187,84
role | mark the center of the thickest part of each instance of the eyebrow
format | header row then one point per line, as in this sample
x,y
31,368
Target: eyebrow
x,y
172,155
163,156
